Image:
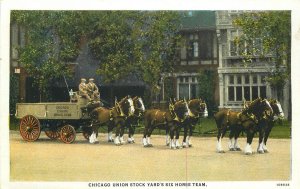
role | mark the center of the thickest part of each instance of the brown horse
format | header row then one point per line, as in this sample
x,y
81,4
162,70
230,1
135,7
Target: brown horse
x,y
246,120
114,117
132,120
167,120
267,124
198,109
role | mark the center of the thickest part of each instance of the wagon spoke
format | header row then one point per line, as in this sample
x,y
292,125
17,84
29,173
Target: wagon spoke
x,y
68,134
30,128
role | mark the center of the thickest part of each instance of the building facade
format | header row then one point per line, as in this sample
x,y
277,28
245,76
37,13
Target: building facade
x,y
198,53
238,82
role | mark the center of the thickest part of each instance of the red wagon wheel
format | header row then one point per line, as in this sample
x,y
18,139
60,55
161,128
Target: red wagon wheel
x,y
53,134
30,129
67,134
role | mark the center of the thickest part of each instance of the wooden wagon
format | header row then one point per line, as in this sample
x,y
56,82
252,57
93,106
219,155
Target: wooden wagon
x,y
57,119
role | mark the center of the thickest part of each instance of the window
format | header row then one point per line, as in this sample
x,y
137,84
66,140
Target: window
x,y
199,46
247,93
263,92
251,47
231,93
239,93
188,87
193,50
206,49
183,91
240,87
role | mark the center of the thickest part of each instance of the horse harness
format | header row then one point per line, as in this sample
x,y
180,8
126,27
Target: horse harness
x,y
155,118
173,113
239,117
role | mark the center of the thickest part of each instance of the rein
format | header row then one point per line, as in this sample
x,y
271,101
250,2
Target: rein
x,y
173,113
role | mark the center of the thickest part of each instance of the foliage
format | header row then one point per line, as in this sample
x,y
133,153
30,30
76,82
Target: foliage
x,y
206,89
139,42
169,88
273,28
52,39
124,42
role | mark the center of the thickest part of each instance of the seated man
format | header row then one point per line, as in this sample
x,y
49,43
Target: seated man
x,y
93,90
83,90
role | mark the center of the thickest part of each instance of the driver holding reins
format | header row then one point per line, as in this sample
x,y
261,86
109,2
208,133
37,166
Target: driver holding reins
x,y
93,90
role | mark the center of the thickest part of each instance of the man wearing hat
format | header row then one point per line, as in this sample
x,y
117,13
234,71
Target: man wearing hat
x,y
83,90
93,90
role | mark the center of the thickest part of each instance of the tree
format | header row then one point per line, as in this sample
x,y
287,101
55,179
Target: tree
x,y
273,29
206,89
52,40
125,42
135,42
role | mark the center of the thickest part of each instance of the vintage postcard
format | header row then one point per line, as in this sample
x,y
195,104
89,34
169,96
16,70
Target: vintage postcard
x,y
102,94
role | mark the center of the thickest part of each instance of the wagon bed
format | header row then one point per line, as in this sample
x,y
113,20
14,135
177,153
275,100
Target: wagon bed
x,y
59,120
56,110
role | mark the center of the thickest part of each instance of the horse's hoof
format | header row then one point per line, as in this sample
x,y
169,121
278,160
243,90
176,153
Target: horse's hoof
x,y
167,144
266,151
238,149
190,145
260,151
150,145
110,140
118,144
221,151
248,153
231,149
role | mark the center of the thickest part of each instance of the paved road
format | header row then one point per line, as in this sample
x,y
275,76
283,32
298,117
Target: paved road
x,y
52,160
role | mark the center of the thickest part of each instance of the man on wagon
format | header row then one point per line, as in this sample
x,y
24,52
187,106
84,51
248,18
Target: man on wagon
x,y
83,89
93,90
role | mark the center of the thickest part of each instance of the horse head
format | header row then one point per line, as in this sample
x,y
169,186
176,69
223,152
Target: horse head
x,y
138,104
258,107
277,109
126,106
198,107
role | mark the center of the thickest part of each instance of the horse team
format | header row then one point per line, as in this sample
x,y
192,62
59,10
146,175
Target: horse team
x,y
256,116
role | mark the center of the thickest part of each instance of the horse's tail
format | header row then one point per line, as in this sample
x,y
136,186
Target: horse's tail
x,y
219,118
147,120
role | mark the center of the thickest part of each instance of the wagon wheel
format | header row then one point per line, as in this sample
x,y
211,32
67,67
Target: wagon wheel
x,y
67,134
53,134
86,132
30,129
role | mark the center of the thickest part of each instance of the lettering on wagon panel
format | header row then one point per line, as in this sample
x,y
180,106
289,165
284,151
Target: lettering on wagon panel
x,y
61,110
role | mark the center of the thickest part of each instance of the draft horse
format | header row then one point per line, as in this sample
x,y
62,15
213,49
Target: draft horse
x,y
132,120
197,109
236,122
167,120
267,124
113,117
